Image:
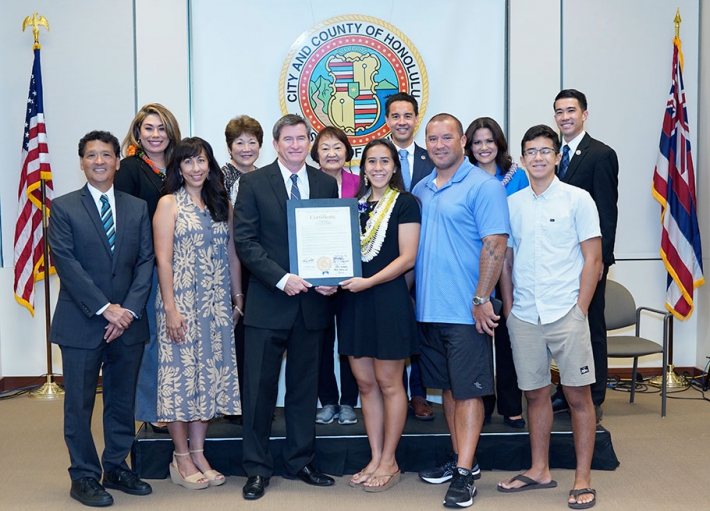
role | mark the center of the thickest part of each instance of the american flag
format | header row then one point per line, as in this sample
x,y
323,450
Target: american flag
x,y
29,242
674,188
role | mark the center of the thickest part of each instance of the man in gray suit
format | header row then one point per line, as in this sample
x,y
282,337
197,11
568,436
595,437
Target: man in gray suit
x,y
102,249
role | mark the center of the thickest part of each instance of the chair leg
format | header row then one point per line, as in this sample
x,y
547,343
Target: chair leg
x,y
633,383
664,382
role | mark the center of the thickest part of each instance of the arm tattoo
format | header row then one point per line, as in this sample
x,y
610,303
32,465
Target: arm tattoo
x,y
491,263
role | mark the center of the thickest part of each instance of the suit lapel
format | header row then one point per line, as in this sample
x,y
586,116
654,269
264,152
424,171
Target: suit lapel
x,y
277,184
121,214
420,165
579,156
315,191
91,210
151,176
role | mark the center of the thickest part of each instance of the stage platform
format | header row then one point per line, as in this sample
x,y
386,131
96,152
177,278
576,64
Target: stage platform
x,y
345,450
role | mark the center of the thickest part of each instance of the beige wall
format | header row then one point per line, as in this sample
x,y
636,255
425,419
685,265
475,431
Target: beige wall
x,y
91,71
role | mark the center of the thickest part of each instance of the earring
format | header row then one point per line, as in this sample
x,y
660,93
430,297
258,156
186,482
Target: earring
x,y
366,182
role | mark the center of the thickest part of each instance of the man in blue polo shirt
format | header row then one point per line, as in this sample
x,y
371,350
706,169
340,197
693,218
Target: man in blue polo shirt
x,y
463,237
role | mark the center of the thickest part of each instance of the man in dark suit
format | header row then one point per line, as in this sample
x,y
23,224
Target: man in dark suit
x,y
103,252
402,116
593,166
283,311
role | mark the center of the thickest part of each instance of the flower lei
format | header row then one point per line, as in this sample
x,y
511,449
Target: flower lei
x,y
135,151
376,228
509,175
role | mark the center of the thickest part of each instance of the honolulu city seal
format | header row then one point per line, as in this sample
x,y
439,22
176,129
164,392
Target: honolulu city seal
x,y
341,72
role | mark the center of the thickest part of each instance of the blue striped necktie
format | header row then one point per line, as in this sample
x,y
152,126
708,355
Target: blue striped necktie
x,y
107,221
404,161
295,192
564,163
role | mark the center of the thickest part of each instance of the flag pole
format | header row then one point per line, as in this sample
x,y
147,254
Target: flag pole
x,y
49,390
673,380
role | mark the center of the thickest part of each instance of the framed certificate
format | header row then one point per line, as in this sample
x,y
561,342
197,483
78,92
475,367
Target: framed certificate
x,y
324,240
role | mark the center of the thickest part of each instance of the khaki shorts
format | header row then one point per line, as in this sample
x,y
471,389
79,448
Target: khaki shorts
x,y
566,340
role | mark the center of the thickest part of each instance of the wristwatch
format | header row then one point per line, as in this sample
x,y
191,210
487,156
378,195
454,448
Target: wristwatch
x,y
477,300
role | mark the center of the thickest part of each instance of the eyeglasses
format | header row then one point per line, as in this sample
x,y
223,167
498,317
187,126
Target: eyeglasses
x,y
545,151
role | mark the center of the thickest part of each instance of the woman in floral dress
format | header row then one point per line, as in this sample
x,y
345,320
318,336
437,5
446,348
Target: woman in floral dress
x,y
199,299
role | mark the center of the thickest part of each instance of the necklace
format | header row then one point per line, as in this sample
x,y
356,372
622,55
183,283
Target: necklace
x,y
509,175
134,151
376,227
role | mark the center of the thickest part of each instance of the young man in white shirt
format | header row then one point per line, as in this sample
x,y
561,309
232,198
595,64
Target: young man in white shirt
x,y
556,245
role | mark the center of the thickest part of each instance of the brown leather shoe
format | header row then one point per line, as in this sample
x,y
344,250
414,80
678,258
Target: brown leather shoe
x,y
421,408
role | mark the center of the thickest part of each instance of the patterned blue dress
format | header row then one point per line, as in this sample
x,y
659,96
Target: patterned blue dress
x,y
197,380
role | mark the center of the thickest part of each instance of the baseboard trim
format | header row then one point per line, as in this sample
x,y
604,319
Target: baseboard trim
x,y
19,382
625,373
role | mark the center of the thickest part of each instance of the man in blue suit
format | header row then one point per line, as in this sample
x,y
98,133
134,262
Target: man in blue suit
x,y
102,249
402,116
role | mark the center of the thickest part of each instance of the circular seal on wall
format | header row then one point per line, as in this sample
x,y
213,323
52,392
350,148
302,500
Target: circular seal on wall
x,y
341,72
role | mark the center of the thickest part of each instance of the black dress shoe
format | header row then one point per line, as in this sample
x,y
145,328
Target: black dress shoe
x,y
126,481
309,476
255,487
514,423
559,405
89,492
235,419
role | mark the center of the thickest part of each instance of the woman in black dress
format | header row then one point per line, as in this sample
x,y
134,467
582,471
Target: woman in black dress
x,y
376,326
149,144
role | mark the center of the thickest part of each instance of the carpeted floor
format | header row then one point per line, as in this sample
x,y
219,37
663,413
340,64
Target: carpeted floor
x,y
665,463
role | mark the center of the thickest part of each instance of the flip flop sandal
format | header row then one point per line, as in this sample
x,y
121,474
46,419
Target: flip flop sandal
x,y
529,484
582,505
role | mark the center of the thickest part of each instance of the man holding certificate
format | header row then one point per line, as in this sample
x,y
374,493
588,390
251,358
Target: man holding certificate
x,y
283,312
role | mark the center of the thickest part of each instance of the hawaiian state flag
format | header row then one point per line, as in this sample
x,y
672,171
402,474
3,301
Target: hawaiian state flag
x,y
674,188
29,240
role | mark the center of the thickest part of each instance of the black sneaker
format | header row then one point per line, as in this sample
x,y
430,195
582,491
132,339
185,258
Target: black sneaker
x,y
445,472
461,490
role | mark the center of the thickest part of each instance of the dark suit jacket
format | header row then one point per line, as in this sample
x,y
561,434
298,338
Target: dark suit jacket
x,y
422,165
135,177
261,240
90,276
596,169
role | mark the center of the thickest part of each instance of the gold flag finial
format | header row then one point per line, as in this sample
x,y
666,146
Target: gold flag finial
x,y
35,22
677,22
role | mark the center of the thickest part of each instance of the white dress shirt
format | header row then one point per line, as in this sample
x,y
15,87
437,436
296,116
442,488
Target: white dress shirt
x,y
96,195
302,181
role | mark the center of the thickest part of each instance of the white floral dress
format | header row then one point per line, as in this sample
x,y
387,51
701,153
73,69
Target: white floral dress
x,y
197,380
